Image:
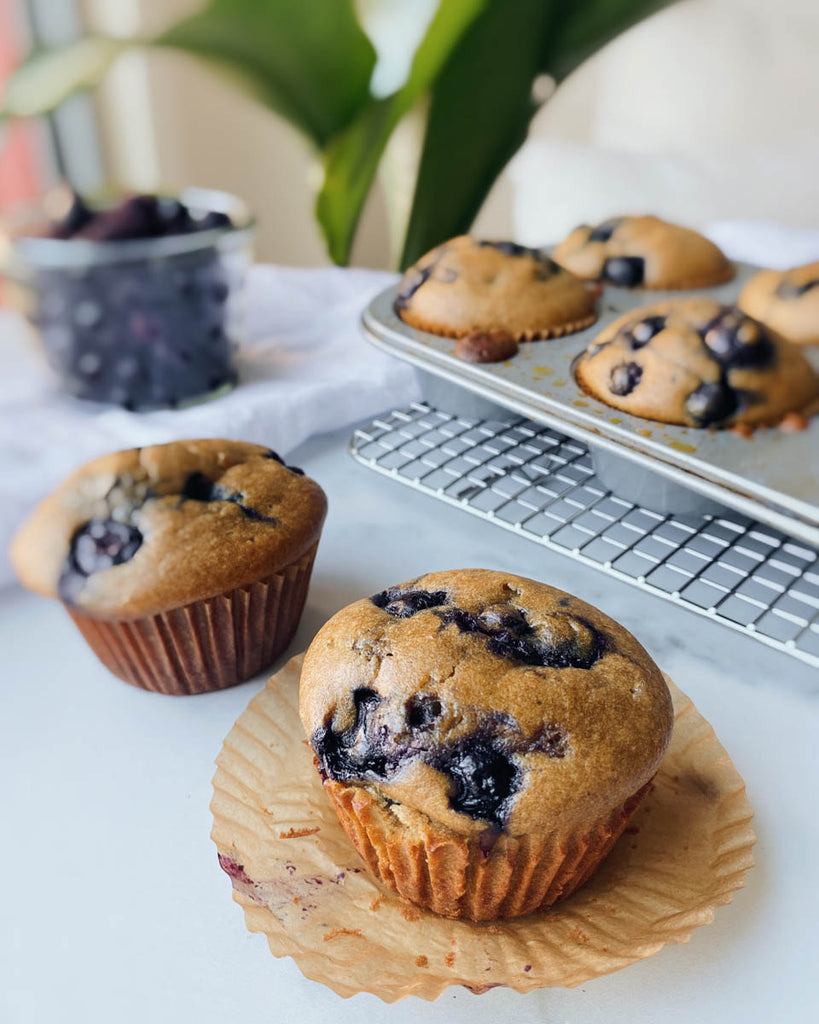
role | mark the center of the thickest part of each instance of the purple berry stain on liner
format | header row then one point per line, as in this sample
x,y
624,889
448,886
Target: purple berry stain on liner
x,y
234,869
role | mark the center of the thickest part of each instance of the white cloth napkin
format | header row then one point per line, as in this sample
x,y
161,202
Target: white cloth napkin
x,y
304,369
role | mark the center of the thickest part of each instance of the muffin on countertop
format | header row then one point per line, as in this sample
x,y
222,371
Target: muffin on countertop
x,y
697,363
643,252
467,285
185,565
787,301
484,738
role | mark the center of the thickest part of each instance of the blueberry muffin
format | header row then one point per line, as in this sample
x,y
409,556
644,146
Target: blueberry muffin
x,y
643,252
184,565
466,286
697,363
484,738
787,301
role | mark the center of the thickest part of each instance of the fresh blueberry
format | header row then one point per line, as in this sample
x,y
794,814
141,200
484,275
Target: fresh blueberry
x,y
175,217
75,220
624,378
213,219
404,603
624,271
145,326
137,217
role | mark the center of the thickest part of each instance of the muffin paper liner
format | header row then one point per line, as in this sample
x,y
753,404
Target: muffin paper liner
x,y
301,883
453,876
205,645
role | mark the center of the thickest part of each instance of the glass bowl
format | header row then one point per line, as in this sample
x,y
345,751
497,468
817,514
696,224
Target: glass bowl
x,y
141,323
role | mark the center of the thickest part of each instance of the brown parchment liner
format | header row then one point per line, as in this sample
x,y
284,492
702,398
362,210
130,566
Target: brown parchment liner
x,y
301,883
206,645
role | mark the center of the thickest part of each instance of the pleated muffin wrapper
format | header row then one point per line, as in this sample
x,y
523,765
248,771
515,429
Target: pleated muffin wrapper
x,y
205,645
478,877
300,881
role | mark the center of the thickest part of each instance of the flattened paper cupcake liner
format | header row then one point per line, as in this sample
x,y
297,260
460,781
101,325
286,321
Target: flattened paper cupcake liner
x,y
300,882
206,645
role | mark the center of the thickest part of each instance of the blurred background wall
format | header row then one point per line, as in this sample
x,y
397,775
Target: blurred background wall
x,y
707,111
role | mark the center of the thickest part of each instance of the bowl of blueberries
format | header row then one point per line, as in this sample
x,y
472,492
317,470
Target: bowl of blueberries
x,y
137,303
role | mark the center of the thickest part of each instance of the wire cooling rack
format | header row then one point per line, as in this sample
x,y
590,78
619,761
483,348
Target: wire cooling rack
x,y
540,484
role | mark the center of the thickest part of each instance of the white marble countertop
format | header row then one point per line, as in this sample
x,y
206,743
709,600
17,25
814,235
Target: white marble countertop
x,y
114,907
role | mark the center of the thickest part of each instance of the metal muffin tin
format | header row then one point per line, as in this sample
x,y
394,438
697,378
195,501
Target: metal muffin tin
x,y
772,476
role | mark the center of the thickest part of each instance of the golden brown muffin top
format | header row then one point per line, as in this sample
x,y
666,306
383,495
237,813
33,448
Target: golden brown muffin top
x,y
697,363
643,252
482,699
787,301
467,285
149,529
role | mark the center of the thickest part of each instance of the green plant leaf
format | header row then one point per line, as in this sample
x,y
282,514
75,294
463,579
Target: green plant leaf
x,y
481,102
352,158
47,77
480,109
582,27
307,59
